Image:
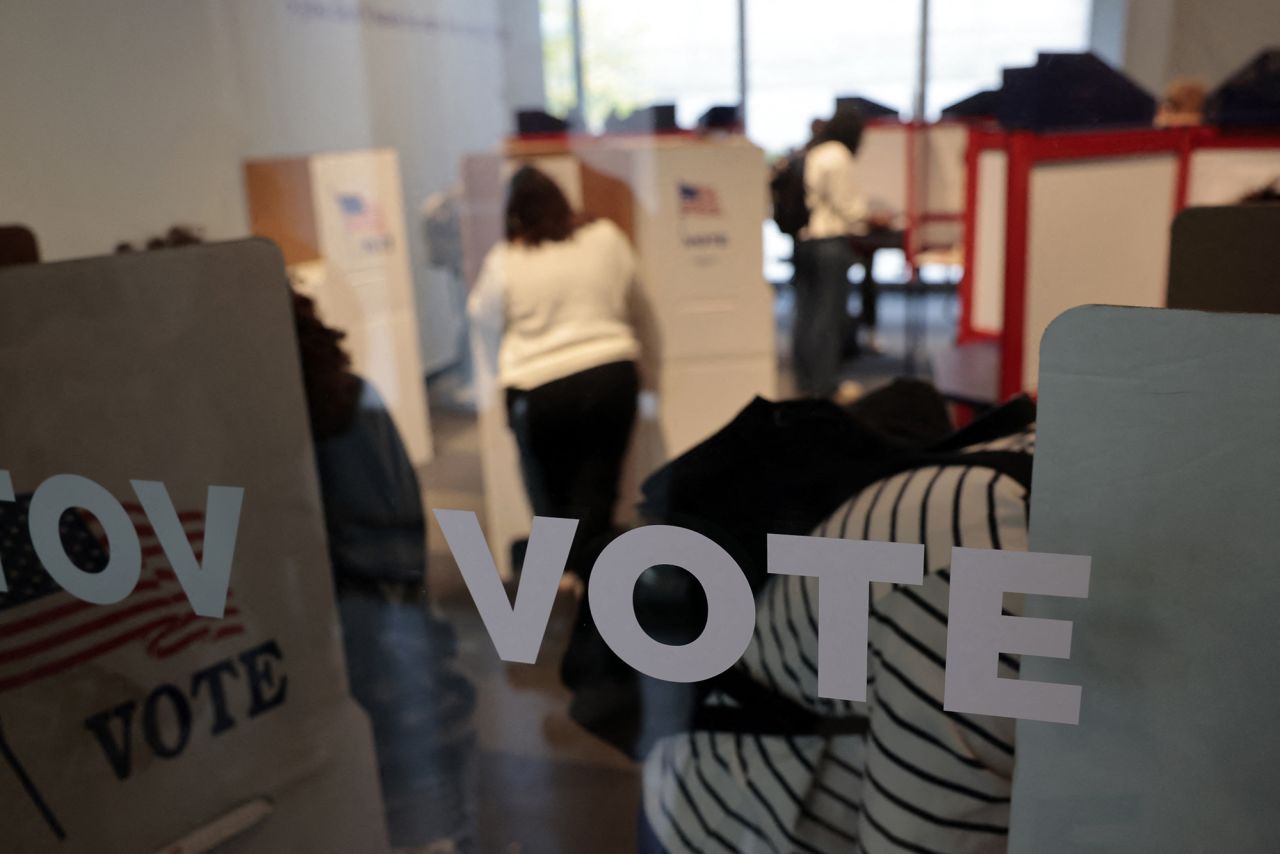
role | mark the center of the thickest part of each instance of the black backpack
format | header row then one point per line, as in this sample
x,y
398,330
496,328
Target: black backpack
x,y
809,456
786,189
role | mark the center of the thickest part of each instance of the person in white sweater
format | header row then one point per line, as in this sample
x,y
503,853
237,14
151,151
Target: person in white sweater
x,y
838,208
561,291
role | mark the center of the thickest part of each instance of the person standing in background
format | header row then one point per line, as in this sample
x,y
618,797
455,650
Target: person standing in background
x,y
561,292
400,656
1183,104
838,208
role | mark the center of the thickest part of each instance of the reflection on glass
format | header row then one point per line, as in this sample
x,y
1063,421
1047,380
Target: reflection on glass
x,y
530,274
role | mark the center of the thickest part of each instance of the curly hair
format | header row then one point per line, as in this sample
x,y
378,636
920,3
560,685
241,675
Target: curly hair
x,y
537,209
332,389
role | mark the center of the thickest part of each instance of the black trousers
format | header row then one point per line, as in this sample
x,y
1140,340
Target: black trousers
x,y
573,435
869,290
821,286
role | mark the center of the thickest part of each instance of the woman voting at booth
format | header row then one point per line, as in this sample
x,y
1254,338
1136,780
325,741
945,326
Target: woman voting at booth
x,y
838,208
560,289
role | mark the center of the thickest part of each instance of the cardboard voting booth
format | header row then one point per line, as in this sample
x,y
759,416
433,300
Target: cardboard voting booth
x,y
1157,457
693,209
135,724
339,219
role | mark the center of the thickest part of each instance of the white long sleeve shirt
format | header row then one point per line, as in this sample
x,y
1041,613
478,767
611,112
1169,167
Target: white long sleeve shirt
x,y
561,307
834,193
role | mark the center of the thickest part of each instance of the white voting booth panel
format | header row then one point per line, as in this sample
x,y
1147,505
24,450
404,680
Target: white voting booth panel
x,y
882,166
708,331
942,209
945,146
139,725
1156,457
985,264
347,210
1097,232
1222,176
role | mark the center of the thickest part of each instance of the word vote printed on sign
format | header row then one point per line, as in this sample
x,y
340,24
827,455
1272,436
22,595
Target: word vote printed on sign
x,y
977,629
204,580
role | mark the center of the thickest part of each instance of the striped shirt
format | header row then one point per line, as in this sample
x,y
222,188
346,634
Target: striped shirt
x,y
921,779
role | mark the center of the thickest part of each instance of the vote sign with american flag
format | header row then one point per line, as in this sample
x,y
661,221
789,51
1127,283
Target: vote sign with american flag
x,y
699,200
45,631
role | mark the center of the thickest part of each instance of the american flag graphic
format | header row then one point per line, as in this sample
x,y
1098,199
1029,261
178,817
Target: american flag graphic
x,y
45,631
358,215
699,200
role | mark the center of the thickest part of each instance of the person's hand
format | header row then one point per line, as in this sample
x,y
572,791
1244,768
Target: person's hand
x,y
880,220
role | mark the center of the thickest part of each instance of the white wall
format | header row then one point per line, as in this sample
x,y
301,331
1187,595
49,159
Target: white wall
x,y
122,118
118,120
522,22
1213,38
300,81
1159,40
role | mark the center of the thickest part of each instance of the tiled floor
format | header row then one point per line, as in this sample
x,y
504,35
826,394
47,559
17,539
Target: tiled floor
x,y
545,786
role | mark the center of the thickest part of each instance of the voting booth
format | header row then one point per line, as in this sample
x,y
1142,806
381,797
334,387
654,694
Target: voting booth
x,y
901,161
339,220
1156,457
693,209
941,225
1057,220
884,166
171,672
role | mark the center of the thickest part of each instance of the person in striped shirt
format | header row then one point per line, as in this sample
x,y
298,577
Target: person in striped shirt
x,y
921,779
